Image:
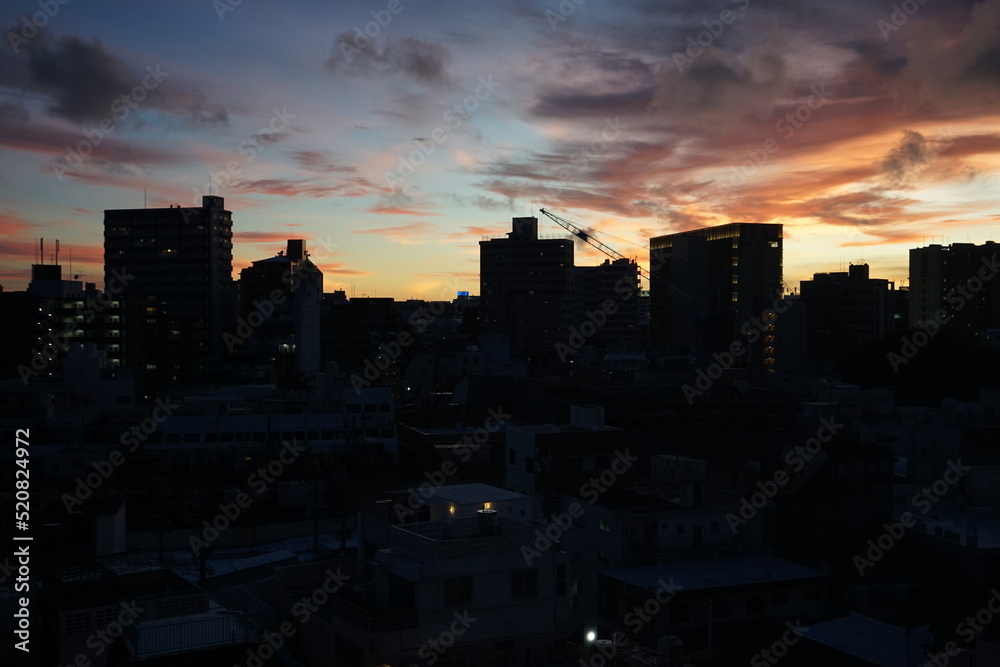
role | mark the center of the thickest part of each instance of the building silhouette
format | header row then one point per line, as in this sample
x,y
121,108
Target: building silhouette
x,y
180,301
705,284
283,294
845,309
958,279
526,289
49,316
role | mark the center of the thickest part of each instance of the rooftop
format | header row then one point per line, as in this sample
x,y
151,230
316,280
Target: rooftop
x,y
471,494
701,575
872,640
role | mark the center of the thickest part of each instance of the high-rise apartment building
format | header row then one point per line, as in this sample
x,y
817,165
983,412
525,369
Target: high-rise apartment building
x,y
959,278
180,300
283,294
705,284
526,290
846,309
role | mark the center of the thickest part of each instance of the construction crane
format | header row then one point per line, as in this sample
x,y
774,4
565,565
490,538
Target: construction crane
x,y
608,250
584,236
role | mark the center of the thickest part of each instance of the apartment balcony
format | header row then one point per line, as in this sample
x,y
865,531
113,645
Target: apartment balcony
x,y
230,619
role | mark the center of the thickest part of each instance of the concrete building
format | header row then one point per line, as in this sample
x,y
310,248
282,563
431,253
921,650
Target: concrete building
x,y
720,606
958,278
526,290
282,293
433,575
43,321
705,284
180,300
614,284
846,309
546,461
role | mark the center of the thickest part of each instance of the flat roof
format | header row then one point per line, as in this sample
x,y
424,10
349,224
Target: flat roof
x,y
722,573
477,492
872,640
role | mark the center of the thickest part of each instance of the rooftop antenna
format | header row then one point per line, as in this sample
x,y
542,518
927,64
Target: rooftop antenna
x,y
41,250
56,261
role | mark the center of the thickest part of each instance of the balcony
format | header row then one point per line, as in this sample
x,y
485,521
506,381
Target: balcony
x,y
236,617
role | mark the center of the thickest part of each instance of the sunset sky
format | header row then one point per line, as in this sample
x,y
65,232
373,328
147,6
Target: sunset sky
x,y
872,132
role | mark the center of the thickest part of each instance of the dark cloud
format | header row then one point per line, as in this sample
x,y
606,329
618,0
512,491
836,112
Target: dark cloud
x,y
321,162
907,159
424,62
953,71
10,111
576,103
483,202
82,77
718,89
202,113
81,80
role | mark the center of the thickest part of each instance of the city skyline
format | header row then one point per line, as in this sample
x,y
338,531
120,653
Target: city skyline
x,y
615,117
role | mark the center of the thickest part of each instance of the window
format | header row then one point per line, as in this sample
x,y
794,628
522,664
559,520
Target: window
x,y
779,598
511,457
720,609
523,585
755,605
604,523
529,464
456,590
813,595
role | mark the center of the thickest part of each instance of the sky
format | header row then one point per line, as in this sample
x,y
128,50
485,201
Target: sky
x,y
394,134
